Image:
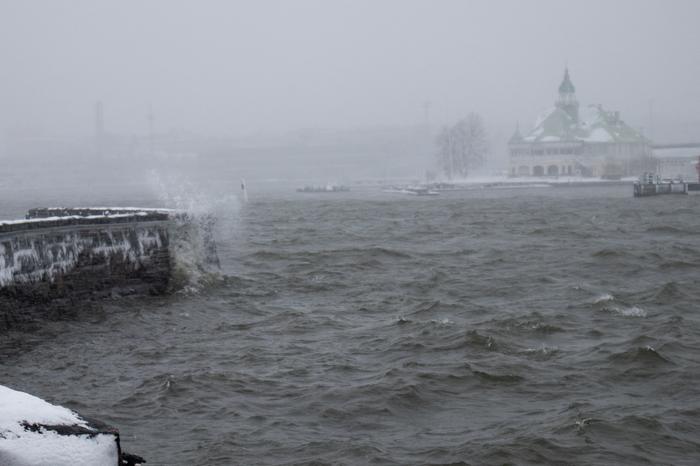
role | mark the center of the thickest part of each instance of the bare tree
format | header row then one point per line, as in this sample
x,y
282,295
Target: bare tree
x,y
463,148
445,151
472,144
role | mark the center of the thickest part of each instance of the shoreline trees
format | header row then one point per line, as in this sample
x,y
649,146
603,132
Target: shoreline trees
x,y
463,147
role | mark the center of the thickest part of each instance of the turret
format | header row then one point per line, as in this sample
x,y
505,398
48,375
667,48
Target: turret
x,y
567,97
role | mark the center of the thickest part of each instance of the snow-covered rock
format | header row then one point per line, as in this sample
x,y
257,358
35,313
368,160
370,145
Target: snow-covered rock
x,y
37,433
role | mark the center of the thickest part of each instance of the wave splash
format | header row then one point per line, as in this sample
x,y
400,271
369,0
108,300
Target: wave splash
x,y
206,220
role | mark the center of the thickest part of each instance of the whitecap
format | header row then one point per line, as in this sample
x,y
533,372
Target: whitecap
x,y
444,321
543,349
604,298
633,311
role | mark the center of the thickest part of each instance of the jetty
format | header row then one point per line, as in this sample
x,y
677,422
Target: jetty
x,y
652,185
329,188
57,258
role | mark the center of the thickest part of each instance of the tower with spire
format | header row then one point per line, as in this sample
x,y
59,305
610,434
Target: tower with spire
x,y
564,142
567,97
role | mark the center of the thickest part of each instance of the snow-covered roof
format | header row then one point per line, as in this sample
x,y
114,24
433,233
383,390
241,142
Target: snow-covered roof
x,y
564,122
595,125
552,125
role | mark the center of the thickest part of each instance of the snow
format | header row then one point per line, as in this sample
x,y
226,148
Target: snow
x,y
599,135
590,115
69,217
502,180
22,447
22,406
121,209
543,116
47,448
534,134
120,212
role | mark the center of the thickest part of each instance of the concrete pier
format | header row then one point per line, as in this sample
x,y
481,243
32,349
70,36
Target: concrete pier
x,y
57,257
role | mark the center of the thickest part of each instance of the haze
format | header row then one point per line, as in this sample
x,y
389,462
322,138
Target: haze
x,y
231,69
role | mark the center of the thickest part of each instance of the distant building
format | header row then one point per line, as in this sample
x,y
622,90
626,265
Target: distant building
x,y
568,142
677,160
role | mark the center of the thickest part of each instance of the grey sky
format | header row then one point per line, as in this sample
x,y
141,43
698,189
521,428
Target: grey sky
x,y
233,67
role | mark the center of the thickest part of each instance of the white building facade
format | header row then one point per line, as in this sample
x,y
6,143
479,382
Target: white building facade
x,y
568,141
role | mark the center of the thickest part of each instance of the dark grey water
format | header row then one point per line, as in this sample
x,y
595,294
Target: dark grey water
x,y
531,326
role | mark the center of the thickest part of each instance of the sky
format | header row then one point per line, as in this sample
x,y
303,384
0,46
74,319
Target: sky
x,y
238,67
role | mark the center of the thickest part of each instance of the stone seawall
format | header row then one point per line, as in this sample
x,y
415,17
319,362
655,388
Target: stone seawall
x,y
58,258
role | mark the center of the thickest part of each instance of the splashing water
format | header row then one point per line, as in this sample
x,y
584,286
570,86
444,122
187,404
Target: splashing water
x,y
208,221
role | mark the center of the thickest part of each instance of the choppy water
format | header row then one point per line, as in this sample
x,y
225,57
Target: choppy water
x,y
531,326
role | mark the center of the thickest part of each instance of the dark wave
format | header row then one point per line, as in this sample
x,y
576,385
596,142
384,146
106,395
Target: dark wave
x,y
678,264
669,230
609,253
645,356
532,323
482,342
668,293
499,379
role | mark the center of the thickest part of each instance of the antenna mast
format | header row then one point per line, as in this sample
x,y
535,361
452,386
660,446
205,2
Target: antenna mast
x,y
151,121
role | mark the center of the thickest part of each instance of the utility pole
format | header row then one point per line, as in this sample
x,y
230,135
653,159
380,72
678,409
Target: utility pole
x,y
151,121
651,119
426,113
427,136
99,128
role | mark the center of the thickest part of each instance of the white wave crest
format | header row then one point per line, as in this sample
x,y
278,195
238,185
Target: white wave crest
x,y
604,298
633,311
443,321
543,349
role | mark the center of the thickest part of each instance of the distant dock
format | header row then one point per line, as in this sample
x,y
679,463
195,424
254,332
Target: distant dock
x,y
655,189
652,185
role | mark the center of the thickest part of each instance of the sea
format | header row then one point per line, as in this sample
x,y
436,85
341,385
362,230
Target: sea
x,y
491,326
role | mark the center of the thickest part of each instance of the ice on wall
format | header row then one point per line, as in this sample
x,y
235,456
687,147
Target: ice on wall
x,y
45,254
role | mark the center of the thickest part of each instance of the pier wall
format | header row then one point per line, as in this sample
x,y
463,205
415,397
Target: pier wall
x,y
59,257
654,189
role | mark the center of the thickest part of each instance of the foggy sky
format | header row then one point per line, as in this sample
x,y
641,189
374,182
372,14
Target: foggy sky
x,y
234,67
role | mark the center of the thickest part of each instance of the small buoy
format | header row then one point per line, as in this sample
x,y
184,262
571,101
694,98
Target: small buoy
x,y
244,190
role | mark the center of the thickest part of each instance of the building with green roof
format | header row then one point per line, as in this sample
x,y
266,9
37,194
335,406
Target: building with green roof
x,y
568,141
